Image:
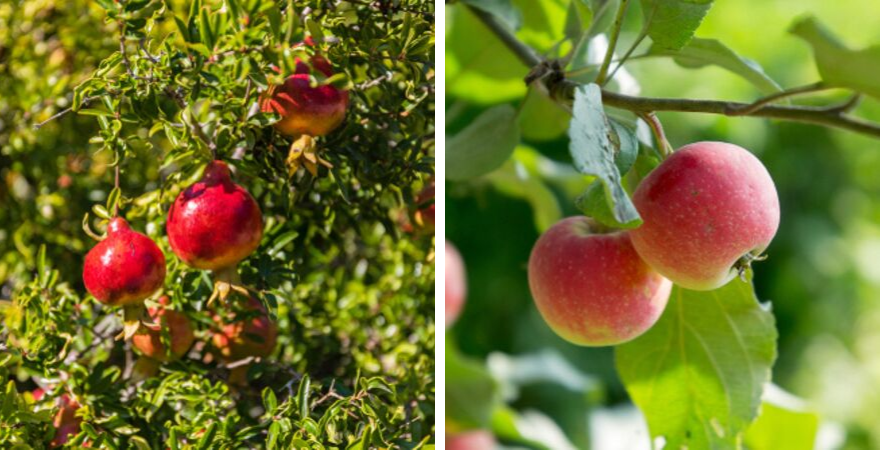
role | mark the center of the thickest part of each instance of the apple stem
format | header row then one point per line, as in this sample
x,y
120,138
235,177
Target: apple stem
x,y
657,130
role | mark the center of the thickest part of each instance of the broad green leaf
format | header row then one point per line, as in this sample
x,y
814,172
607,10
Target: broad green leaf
x,y
479,67
626,146
838,65
578,20
543,22
483,145
541,118
594,152
672,23
515,180
471,392
698,374
785,423
702,52
504,10
594,203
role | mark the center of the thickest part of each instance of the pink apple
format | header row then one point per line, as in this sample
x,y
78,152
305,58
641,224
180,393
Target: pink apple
x,y
456,284
470,440
708,210
592,288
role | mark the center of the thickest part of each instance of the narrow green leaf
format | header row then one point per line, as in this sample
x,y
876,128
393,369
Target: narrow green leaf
x,y
205,32
483,145
838,65
184,29
274,16
672,23
594,152
698,374
302,397
702,52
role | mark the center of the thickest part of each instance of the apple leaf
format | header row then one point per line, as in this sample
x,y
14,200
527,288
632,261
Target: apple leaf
x,y
479,67
702,52
698,374
838,65
594,203
515,180
471,391
672,23
594,150
504,10
484,145
785,423
541,118
578,19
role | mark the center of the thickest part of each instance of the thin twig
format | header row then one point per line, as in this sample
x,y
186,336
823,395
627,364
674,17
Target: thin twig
x,y
563,90
758,104
64,111
612,42
626,56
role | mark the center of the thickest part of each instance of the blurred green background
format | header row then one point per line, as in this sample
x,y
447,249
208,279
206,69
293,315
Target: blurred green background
x,y
823,271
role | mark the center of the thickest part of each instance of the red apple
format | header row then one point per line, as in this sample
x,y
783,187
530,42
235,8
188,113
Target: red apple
x,y
470,440
125,268
244,333
148,339
708,210
306,109
593,289
456,284
215,223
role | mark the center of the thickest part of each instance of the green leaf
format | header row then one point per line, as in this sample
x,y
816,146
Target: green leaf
x,y
672,23
205,32
479,67
578,20
541,118
594,203
698,374
515,180
703,52
838,65
504,10
483,145
785,423
603,15
594,153
471,392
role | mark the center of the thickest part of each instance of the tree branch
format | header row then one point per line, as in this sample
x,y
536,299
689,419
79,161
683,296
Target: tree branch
x,y
563,90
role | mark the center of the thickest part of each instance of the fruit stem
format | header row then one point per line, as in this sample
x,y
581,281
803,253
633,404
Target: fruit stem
x,y
657,130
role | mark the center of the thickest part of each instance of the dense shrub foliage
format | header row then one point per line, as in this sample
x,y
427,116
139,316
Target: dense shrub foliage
x,y
157,89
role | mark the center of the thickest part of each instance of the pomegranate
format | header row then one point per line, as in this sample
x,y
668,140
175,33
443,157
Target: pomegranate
x,y
125,268
148,340
66,422
244,333
424,216
214,223
304,109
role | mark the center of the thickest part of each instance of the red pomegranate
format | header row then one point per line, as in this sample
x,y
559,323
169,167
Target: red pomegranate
x,y
66,422
306,109
148,340
248,332
214,223
424,216
125,268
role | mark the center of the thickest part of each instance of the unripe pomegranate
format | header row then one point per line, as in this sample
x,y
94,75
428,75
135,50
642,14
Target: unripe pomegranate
x,y
66,422
125,268
214,223
304,109
249,333
148,340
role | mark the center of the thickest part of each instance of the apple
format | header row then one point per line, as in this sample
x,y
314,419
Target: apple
x,y
456,284
470,440
125,268
708,210
591,286
148,339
